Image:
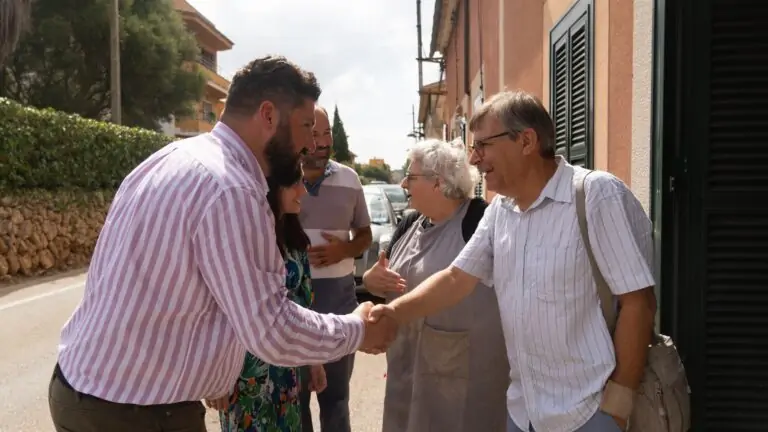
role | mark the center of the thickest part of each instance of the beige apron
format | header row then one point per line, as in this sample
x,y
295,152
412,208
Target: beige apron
x,y
449,372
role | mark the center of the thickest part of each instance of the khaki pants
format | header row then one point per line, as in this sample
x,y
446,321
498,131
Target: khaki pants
x,y
73,411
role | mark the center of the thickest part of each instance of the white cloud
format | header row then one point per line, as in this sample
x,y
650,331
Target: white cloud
x,y
362,51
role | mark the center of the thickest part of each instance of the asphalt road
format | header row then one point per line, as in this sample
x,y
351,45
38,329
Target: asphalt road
x,y
30,320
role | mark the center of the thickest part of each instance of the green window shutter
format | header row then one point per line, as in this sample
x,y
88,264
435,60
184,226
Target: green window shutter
x,y
571,84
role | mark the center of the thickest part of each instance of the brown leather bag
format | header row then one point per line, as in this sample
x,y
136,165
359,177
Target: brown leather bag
x,y
662,403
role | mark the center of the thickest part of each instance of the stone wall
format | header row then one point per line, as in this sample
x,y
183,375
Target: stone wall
x,y
44,231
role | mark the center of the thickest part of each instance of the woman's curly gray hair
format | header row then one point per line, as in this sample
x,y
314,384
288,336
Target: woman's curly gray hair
x,y
449,162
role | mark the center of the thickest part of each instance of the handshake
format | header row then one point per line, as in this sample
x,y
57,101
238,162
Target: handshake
x,y
380,327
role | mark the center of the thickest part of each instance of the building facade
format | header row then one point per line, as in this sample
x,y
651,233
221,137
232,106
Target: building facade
x,y
211,42
671,96
431,101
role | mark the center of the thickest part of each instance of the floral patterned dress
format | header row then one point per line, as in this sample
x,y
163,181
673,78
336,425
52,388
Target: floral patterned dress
x,y
266,397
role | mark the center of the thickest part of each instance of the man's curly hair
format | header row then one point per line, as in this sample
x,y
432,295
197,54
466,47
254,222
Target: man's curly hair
x,y
274,79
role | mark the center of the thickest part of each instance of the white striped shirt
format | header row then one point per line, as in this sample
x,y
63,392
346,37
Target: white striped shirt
x,y
560,351
186,275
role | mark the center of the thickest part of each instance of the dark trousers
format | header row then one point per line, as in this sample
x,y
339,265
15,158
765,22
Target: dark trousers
x,y
333,401
73,411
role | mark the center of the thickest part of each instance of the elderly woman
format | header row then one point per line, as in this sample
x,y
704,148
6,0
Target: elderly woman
x,y
448,372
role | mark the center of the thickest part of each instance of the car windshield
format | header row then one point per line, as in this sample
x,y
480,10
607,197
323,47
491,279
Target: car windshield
x,y
396,195
377,209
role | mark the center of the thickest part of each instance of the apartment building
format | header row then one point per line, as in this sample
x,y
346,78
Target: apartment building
x,y
672,97
211,42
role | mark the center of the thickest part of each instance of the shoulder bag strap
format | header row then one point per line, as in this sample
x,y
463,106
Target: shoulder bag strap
x,y
603,291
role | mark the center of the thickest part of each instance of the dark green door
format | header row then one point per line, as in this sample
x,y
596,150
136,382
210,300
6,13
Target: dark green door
x,y
711,203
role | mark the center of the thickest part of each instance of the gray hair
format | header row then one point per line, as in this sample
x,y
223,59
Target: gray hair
x,y
449,162
517,111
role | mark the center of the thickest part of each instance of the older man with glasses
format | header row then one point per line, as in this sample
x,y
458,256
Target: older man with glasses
x,y
568,372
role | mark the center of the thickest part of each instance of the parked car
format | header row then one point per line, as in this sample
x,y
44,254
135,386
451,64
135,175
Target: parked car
x,y
383,223
397,197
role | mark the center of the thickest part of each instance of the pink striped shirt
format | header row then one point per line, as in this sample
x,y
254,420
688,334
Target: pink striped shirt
x,y
185,277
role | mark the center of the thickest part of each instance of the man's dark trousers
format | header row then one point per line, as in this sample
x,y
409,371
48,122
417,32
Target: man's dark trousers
x,y
333,401
332,295
73,411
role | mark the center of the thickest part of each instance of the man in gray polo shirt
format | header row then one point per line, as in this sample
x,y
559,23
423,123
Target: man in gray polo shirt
x,y
334,206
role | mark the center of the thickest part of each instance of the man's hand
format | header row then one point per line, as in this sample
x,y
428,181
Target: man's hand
x,y
318,381
219,404
379,334
621,422
328,254
379,311
381,279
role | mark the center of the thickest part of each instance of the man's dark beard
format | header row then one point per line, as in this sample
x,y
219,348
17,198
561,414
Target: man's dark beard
x,y
279,151
313,162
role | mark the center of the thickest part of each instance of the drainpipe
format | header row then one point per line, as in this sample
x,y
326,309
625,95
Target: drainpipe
x,y
480,49
467,80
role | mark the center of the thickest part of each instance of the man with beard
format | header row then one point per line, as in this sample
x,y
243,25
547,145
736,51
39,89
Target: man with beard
x,y
187,274
334,205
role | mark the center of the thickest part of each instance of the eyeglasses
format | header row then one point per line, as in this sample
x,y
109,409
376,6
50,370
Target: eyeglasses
x,y
411,177
479,145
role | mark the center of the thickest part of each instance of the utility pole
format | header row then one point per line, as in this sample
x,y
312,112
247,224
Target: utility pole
x,y
114,54
419,44
419,59
415,133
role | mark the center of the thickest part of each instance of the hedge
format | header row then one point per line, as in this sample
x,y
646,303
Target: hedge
x,y
48,149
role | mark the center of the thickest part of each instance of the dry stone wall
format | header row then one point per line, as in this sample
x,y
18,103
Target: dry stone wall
x,y
43,231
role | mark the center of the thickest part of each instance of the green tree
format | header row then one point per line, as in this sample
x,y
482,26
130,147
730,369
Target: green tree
x,y
341,151
63,61
382,173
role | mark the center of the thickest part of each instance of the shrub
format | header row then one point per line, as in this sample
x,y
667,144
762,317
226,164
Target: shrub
x,y
48,149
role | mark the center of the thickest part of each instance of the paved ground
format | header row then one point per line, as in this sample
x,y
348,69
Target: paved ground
x,y
30,320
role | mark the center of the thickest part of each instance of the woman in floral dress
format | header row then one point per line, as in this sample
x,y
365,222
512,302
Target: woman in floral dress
x,y
266,397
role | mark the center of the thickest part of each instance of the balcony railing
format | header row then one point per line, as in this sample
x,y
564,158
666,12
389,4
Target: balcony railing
x,y
207,116
213,67
215,74
208,63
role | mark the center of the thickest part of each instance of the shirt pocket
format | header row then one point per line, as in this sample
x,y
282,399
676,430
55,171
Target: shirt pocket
x,y
554,276
555,273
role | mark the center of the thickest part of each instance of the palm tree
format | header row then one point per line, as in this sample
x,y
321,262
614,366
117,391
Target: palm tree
x,y
14,18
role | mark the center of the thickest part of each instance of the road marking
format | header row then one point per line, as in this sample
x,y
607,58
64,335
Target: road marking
x,y
41,296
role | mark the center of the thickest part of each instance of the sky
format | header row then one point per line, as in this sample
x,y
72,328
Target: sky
x,y
362,51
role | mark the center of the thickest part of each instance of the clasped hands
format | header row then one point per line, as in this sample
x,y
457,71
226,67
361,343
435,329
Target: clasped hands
x,y
380,327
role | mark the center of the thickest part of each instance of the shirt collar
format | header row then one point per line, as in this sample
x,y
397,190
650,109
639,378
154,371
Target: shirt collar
x,y
558,188
330,168
314,188
240,151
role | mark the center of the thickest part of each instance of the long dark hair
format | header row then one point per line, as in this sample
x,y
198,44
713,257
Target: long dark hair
x,y
290,235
